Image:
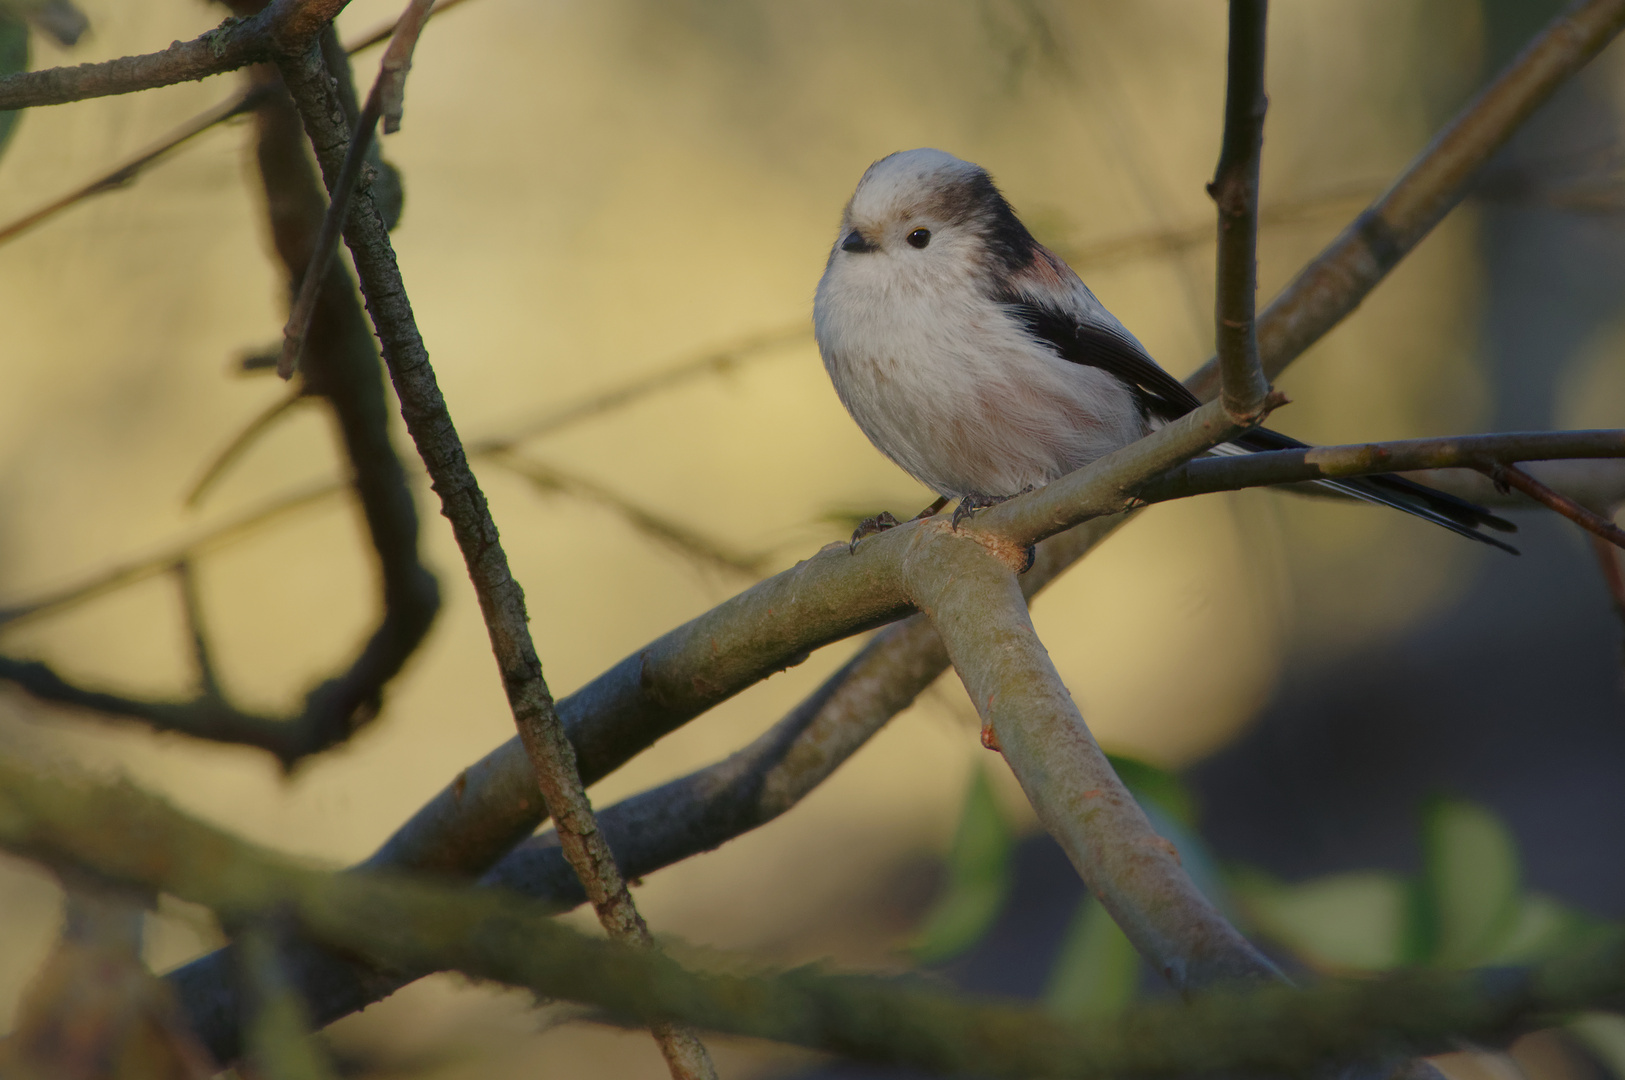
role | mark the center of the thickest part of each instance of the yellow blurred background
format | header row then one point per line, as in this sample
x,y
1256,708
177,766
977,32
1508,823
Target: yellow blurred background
x,y
595,191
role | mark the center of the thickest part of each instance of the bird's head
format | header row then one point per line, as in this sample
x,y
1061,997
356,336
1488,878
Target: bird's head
x,y
924,214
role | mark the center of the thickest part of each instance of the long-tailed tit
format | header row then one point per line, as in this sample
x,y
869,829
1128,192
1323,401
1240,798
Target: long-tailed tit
x,y
974,358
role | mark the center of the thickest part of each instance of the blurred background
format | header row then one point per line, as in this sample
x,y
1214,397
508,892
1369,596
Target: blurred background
x,y
598,192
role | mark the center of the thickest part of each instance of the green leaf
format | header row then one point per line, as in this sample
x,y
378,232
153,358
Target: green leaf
x,y
1470,892
978,878
1603,1034
13,58
1097,972
1341,922
1153,785
1543,929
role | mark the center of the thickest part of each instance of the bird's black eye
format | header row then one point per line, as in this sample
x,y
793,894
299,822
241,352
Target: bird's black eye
x,y
919,238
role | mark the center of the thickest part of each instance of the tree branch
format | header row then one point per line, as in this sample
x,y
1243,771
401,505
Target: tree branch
x,y
552,757
284,26
1335,283
1235,191
667,824
489,807
1207,475
976,606
125,836
1513,477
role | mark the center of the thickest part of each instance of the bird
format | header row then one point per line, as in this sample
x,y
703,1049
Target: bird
x,y
976,359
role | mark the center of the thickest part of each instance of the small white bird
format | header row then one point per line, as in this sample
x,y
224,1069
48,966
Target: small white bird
x,y
974,358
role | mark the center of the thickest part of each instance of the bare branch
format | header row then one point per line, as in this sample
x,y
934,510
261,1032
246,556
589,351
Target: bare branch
x,y
711,361
326,245
672,533
192,609
283,26
1235,191
552,758
1593,522
233,44
239,444
132,573
126,171
380,34
126,836
1366,459
387,99
977,608
1343,275
1162,243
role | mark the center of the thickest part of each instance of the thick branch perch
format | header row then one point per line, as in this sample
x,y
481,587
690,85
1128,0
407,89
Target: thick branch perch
x,y
1235,190
123,835
978,609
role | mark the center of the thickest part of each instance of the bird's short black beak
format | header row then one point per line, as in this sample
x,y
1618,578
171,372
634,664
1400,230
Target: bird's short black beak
x,y
855,242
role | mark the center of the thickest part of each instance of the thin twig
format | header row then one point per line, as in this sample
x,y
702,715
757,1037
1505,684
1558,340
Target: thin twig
x,y
672,533
1343,275
711,361
283,26
1310,463
1589,520
386,100
132,573
1613,575
239,444
126,171
1235,191
1162,243
428,421
303,311
382,33
192,611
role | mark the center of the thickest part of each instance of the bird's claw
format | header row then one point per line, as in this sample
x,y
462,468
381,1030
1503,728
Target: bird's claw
x,y
972,503
869,526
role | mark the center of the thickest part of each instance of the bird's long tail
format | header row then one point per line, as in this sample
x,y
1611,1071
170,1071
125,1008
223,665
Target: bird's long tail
x,y
1457,515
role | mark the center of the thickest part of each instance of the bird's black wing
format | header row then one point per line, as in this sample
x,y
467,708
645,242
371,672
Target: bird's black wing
x,y
1165,397
1104,347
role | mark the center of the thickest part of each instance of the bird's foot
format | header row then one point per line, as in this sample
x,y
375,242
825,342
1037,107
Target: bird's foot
x,y
933,510
879,523
972,503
